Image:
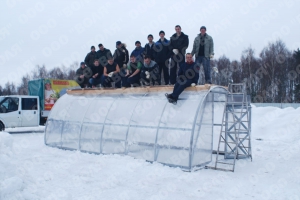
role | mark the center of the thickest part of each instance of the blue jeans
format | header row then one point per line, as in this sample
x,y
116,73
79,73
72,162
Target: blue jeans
x,y
179,87
206,66
95,81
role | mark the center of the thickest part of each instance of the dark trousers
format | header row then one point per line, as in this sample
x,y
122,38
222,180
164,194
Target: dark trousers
x,y
163,67
83,82
154,76
206,66
176,61
106,81
180,86
95,81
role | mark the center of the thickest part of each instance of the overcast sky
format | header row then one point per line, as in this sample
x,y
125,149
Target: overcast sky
x,y
59,32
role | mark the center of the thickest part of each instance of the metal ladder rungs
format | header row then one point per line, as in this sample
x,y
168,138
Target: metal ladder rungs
x,y
226,163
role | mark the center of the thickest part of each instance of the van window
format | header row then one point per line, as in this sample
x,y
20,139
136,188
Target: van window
x,y
9,104
29,104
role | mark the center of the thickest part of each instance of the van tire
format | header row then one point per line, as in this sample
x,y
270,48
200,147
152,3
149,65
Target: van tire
x,y
2,127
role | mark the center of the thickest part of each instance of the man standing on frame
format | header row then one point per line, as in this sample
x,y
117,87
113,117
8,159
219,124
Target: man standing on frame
x,y
203,49
179,44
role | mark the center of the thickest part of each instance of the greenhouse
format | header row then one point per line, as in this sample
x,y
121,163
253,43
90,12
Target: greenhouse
x,y
139,122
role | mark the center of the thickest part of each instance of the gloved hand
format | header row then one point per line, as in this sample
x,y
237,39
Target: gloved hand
x,y
211,56
124,66
175,51
147,74
110,74
193,84
216,69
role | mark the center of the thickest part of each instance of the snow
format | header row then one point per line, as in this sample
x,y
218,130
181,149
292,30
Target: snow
x,y
31,170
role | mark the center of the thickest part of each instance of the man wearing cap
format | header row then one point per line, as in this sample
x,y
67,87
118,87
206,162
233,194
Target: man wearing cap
x,y
82,75
138,52
90,57
149,47
203,49
178,46
162,56
103,54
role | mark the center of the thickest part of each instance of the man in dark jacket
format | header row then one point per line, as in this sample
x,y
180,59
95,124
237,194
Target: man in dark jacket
x,y
103,54
162,56
179,44
82,75
188,75
133,72
150,71
149,47
138,52
121,56
90,57
97,71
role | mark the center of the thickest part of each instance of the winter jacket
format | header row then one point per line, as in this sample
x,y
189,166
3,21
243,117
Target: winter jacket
x,y
89,59
134,66
103,56
162,51
152,66
150,50
181,43
208,46
87,72
121,56
138,53
190,71
97,69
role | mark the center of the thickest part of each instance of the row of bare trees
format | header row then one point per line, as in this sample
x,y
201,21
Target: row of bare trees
x,y
39,72
272,76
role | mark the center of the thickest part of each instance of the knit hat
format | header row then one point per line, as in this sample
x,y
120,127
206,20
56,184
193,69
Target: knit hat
x,y
118,43
202,27
82,63
137,42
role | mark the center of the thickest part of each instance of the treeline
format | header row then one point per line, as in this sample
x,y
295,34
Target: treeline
x,y
39,72
273,76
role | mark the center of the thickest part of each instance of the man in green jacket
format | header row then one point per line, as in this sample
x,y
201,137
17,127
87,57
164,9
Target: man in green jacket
x,y
203,49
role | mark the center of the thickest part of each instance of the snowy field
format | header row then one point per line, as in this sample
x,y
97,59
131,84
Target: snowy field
x,y
31,170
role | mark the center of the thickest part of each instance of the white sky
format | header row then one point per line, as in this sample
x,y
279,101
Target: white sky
x,y
57,32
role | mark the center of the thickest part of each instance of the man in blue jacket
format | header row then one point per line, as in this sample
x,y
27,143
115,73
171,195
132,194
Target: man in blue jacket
x,y
162,56
188,75
138,52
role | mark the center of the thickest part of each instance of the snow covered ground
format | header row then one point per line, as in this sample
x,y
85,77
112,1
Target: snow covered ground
x,y
31,170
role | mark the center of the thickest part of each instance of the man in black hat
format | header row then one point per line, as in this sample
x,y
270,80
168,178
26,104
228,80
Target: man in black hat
x,y
203,49
82,75
138,52
90,57
179,44
121,57
103,54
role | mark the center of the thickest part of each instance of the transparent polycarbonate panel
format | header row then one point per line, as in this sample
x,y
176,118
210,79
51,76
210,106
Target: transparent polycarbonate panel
x,y
53,133
141,143
202,139
70,135
60,110
91,137
78,109
113,139
173,147
148,111
97,112
180,115
121,111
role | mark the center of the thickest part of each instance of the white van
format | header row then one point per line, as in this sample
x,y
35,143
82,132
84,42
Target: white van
x,y
19,111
